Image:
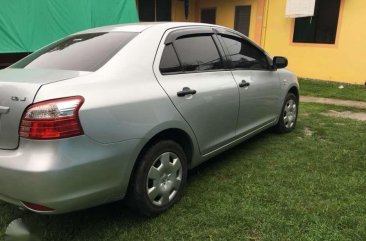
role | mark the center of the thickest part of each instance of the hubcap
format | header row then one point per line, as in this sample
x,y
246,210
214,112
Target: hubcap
x,y
289,114
164,179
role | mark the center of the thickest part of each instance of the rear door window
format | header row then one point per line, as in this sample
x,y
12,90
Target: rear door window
x,y
83,52
198,53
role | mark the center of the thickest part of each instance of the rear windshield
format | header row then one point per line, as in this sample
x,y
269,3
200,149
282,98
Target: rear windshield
x,y
83,52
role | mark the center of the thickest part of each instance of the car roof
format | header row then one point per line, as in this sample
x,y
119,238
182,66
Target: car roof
x,y
140,27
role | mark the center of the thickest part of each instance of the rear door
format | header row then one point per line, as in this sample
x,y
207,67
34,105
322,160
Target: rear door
x,y
191,69
259,85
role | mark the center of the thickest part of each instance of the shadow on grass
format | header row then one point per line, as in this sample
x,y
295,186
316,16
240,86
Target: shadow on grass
x,y
96,223
227,157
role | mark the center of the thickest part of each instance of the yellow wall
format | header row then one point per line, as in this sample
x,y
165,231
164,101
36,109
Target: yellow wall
x,y
225,11
343,61
178,11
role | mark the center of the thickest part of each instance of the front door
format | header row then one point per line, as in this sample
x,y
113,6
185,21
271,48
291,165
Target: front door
x,y
259,86
204,93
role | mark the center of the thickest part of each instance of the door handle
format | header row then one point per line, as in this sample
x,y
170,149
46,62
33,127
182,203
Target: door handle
x,y
244,84
186,91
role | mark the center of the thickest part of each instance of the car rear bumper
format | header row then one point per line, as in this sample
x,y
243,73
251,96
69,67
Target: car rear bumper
x,y
67,174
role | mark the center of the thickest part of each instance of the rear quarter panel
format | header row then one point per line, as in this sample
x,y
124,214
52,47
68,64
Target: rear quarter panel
x,y
123,99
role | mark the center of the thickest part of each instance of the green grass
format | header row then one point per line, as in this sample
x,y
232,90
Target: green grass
x,y
273,187
331,90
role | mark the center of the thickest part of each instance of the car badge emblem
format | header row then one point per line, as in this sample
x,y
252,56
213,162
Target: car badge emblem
x,y
16,98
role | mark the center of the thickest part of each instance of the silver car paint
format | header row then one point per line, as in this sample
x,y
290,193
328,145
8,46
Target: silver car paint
x,y
212,112
125,106
259,101
66,174
18,88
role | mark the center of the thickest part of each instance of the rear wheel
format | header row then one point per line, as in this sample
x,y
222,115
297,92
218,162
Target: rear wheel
x,y
160,178
288,117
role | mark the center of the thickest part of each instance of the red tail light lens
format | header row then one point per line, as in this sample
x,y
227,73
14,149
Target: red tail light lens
x,y
53,119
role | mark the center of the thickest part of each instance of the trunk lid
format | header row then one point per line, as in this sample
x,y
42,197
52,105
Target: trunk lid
x,y
18,88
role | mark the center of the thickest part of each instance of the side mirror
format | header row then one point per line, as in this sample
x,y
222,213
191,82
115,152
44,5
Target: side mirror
x,y
280,62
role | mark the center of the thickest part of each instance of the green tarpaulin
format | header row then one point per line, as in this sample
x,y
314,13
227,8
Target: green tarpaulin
x,y
26,25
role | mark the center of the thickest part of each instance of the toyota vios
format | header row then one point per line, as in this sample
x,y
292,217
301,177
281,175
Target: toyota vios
x,y
124,111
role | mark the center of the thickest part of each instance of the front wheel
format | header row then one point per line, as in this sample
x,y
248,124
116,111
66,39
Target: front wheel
x,y
160,178
288,117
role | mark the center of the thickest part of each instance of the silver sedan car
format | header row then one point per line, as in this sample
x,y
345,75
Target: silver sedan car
x,y
124,111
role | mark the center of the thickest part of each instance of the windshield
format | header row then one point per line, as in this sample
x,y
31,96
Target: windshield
x,y
83,52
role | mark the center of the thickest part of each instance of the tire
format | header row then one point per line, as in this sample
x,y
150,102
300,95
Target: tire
x,y
288,118
160,178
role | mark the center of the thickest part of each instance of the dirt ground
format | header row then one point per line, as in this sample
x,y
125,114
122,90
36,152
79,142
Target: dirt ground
x,y
360,116
330,101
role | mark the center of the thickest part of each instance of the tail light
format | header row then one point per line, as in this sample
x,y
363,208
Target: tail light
x,y
52,119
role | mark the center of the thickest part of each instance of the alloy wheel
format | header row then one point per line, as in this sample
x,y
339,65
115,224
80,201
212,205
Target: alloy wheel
x,y
290,113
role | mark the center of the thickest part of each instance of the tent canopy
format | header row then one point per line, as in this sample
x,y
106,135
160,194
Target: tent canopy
x,y
27,25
